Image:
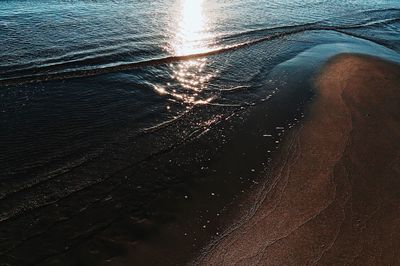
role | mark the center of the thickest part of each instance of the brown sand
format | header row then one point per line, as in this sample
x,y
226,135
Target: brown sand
x,y
335,194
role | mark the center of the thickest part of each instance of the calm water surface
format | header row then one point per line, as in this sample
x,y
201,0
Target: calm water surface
x,y
111,112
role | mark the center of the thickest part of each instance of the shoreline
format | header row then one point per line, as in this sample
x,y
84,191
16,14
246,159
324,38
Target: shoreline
x,y
325,204
149,134
183,198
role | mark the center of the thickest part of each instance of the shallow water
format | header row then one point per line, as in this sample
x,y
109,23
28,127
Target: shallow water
x,y
111,109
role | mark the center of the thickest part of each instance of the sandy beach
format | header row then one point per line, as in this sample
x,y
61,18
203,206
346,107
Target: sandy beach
x,y
334,194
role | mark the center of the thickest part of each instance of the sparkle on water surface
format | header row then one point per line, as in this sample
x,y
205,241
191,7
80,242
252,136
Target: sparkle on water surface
x,y
189,39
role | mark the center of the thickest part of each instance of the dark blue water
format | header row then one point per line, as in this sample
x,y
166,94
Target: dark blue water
x,y
105,105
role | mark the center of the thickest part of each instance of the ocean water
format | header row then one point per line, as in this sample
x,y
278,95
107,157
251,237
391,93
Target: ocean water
x,y
113,114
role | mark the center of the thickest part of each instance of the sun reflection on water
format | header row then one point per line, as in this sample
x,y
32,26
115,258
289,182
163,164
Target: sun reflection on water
x,y
191,28
189,38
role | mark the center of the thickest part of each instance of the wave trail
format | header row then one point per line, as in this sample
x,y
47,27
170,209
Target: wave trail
x,y
290,30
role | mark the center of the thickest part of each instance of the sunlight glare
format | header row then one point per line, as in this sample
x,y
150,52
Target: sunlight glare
x,y
188,39
191,27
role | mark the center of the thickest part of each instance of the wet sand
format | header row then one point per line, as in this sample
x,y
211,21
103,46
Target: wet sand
x,y
333,196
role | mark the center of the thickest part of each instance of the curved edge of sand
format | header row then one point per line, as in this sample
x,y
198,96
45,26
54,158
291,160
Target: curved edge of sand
x,y
333,196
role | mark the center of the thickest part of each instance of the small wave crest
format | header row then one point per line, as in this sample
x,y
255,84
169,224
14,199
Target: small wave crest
x,y
95,65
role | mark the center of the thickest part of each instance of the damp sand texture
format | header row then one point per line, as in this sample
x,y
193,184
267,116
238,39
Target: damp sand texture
x,y
335,198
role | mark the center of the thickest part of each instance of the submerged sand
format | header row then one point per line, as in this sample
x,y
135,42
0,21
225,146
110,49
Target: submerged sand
x,y
334,198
